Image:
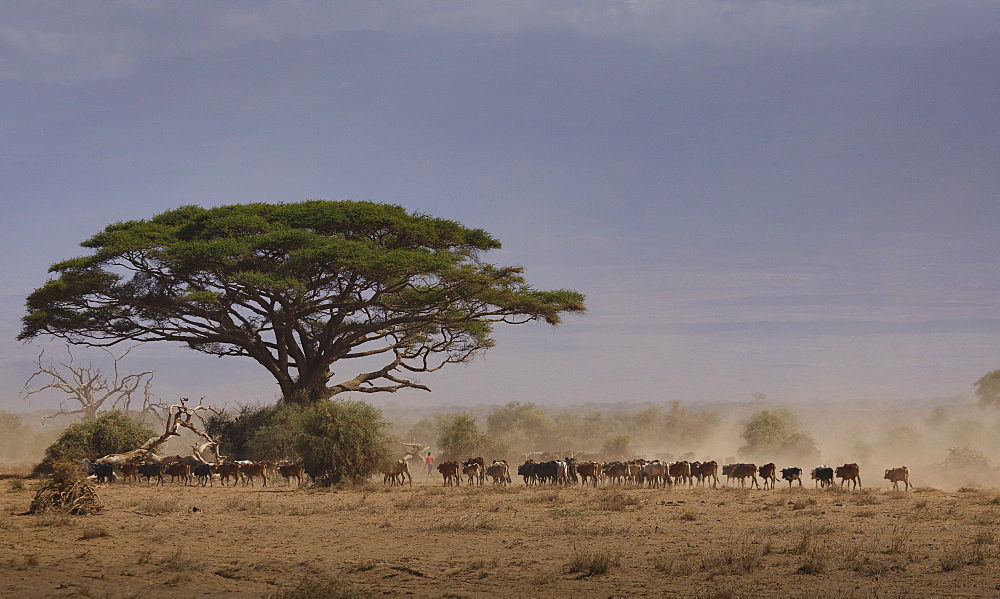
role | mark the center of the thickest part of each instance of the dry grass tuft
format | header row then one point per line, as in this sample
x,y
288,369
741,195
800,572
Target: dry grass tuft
x,y
160,505
741,554
866,497
93,532
675,567
27,561
616,501
318,586
593,563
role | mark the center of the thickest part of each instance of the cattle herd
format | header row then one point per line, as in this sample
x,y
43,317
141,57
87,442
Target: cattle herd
x,y
653,473
189,471
475,471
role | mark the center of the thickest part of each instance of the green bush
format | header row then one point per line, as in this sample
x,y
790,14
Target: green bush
x,y
775,435
460,438
618,448
338,441
341,441
111,432
236,433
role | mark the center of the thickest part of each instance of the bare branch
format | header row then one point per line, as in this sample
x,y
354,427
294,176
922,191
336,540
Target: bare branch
x,y
89,387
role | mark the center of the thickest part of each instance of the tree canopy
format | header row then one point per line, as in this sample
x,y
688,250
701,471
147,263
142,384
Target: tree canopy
x,y
297,287
988,389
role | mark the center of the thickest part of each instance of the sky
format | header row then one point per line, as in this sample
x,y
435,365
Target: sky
x,y
799,199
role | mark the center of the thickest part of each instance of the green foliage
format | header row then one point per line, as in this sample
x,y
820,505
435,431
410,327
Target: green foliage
x,y
236,432
459,438
342,441
618,448
903,438
111,432
13,433
776,435
988,389
296,287
338,441
525,426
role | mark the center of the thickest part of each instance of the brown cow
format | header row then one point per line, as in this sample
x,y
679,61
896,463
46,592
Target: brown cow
x,y
616,471
708,470
655,473
130,471
680,472
396,473
744,471
849,472
451,473
895,475
481,474
293,470
252,470
768,473
474,472
588,470
227,470
180,470
499,471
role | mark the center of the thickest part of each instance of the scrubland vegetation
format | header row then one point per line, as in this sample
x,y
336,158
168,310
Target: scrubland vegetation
x,y
359,537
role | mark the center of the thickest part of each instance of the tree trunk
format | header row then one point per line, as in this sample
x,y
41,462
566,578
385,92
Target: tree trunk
x,y
307,390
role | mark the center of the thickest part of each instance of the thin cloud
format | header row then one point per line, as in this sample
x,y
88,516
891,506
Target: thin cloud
x,y
93,41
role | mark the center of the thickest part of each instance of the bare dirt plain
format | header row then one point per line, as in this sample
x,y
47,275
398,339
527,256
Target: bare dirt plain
x,y
429,541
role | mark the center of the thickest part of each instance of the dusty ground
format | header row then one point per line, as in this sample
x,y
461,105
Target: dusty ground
x,y
430,541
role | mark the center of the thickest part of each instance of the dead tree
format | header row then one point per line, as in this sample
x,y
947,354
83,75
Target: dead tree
x,y
91,390
178,415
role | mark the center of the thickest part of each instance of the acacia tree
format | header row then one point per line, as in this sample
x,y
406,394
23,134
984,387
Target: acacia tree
x,y
297,287
988,389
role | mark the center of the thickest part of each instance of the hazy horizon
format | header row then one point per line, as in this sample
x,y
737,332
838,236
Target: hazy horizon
x,y
791,198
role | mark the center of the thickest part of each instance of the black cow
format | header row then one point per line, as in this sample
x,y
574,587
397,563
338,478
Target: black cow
x,y
148,470
204,473
547,471
823,475
527,471
791,474
105,473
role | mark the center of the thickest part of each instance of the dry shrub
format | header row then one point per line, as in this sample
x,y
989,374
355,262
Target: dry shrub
x,y
24,562
93,532
740,555
866,497
898,539
593,563
616,501
674,567
815,558
68,492
179,560
160,505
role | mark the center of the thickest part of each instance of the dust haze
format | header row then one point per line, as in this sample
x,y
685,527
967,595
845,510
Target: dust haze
x,y
946,443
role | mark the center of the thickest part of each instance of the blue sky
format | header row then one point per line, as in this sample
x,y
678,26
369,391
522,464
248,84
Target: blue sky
x,y
793,198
